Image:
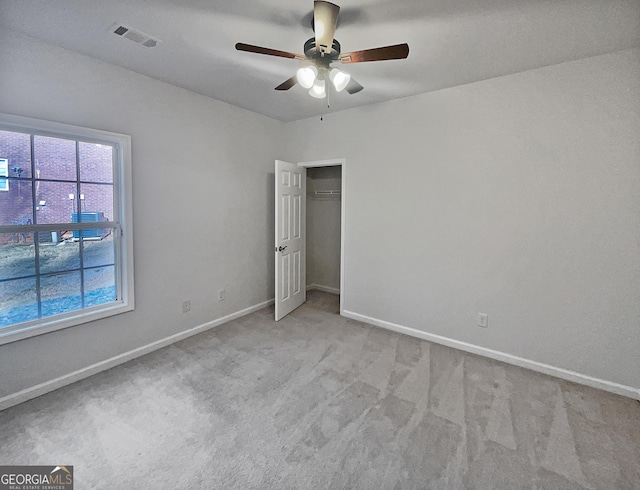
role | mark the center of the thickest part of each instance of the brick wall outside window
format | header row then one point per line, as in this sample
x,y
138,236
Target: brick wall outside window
x,y
54,158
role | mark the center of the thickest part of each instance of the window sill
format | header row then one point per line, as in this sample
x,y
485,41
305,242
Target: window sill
x,y
47,325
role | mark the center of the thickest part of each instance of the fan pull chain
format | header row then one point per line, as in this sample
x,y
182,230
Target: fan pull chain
x,y
328,104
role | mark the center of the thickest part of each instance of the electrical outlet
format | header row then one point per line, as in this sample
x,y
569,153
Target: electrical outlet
x,y
483,320
186,306
221,294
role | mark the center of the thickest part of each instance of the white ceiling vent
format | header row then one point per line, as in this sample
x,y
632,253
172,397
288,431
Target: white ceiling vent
x,y
134,35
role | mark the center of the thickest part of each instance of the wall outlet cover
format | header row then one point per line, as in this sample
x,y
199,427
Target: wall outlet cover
x,y
483,320
186,306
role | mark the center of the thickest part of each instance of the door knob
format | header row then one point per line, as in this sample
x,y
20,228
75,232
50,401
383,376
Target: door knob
x,y
281,248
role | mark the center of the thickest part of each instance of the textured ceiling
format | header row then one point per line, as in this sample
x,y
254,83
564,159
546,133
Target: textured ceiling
x,y
452,42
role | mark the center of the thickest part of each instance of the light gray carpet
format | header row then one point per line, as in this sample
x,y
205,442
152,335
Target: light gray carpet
x,y
318,401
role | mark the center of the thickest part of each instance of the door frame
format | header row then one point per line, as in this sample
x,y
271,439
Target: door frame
x,y
333,162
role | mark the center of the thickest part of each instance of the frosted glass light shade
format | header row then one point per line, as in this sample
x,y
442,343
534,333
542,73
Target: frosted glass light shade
x,y
339,79
307,75
318,90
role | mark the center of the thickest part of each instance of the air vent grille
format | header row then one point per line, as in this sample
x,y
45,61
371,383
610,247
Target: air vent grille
x,y
120,30
134,35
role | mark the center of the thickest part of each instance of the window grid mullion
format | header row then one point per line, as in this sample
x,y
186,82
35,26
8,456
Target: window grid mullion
x,y
36,236
64,181
117,210
81,234
45,274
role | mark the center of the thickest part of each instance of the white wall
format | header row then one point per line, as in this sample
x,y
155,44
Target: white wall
x,y
203,201
323,228
517,196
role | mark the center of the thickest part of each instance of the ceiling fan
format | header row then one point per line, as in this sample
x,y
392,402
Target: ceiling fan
x,y
323,50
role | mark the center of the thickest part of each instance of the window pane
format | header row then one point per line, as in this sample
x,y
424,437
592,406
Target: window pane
x,y
16,148
55,158
18,259
56,201
96,162
59,257
99,252
60,293
98,198
99,286
16,204
18,301
54,177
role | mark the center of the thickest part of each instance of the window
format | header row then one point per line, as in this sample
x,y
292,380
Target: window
x,y
65,237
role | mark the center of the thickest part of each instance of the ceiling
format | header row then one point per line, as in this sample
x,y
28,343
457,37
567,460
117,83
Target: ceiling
x,y
452,42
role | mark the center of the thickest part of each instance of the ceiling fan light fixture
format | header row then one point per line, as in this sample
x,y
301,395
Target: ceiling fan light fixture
x,y
315,73
339,79
306,76
318,90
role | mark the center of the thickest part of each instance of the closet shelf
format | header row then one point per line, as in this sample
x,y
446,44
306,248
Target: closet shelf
x,y
328,194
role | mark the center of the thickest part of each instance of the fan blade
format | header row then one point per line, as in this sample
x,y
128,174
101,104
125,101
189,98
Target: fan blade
x,y
325,20
268,51
287,84
395,52
353,87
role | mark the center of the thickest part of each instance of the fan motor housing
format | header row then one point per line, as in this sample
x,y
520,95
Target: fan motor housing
x,y
318,56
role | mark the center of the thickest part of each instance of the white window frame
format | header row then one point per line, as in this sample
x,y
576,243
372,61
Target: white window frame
x,y
123,216
4,172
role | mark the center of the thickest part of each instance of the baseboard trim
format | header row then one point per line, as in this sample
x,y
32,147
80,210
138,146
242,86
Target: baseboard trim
x,y
67,379
326,289
557,372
